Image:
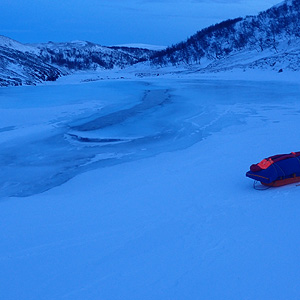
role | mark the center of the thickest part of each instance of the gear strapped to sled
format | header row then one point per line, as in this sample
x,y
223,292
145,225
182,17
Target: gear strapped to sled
x,y
277,170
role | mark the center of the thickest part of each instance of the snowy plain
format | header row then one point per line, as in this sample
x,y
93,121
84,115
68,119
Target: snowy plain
x,y
135,188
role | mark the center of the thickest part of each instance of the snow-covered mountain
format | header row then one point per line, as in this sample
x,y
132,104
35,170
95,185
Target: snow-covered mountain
x,y
80,55
21,64
269,40
30,64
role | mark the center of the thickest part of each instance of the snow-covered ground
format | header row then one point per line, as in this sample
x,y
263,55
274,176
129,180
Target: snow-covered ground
x,y
136,189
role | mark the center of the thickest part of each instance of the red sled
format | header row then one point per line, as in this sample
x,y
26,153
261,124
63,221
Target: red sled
x,y
282,182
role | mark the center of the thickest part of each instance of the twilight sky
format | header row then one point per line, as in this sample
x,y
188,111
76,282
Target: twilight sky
x,y
113,22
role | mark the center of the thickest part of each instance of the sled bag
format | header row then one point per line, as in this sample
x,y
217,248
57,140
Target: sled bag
x,y
277,167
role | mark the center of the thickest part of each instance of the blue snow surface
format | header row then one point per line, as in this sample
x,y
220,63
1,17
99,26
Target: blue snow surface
x,y
136,189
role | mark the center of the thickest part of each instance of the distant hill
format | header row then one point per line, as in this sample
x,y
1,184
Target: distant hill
x,y
79,55
31,64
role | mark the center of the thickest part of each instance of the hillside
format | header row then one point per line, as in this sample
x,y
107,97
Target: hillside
x,y
31,64
20,64
269,40
80,55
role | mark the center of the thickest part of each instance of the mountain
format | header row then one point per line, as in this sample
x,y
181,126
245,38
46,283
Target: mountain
x,y
269,40
20,64
31,64
80,55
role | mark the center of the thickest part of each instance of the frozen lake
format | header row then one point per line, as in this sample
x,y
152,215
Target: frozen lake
x,y
49,134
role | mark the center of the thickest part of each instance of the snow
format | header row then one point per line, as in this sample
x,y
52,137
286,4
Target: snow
x,y
168,213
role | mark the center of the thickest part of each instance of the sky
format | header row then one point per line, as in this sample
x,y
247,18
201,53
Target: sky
x,y
115,22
